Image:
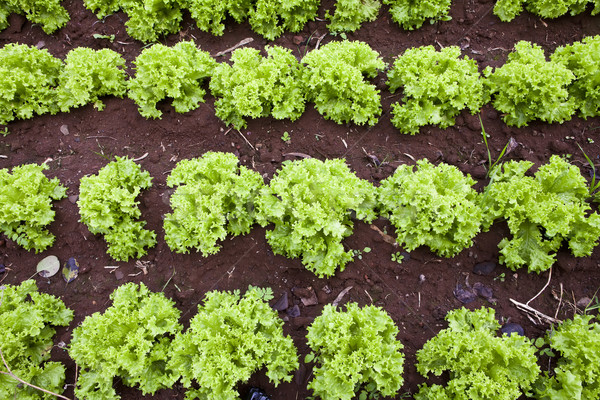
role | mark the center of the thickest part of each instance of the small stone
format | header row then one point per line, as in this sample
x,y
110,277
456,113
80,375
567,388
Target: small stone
x,y
119,275
293,311
73,198
326,289
484,268
298,40
584,302
511,328
465,296
64,129
281,304
2,269
421,278
40,45
306,295
182,295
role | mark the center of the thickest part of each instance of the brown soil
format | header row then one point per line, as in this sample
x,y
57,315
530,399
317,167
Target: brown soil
x,y
417,305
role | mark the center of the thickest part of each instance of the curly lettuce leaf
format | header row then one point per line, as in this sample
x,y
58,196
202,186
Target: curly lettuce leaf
x,y
311,204
437,86
27,330
90,74
434,206
148,19
115,215
176,72
48,13
26,205
28,79
578,368
131,340
412,14
256,86
527,87
356,351
229,339
556,8
335,82
542,212
507,10
210,14
583,59
215,197
349,15
481,364
270,18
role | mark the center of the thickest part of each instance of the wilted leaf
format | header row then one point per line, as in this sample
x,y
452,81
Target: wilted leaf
x,y
48,267
70,270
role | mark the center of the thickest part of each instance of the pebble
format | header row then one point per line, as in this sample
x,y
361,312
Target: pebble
x,y
73,198
484,268
584,302
119,275
293,311
281,304
511,328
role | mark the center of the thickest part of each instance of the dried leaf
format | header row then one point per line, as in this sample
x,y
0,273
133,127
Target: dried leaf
x,y
70,270
48,267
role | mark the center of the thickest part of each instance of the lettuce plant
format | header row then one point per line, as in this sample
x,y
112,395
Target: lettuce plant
x,y
335,82
26,205
48,13
107,206
583,59
541,211
27,330
507,10
481,364
528,87
148,19
89,74
131,340
210,14
28,79
270,18
434,206
176,72
229,339
412,14
311,203
357,351
576,375
437,86
349,15
256,86
215,197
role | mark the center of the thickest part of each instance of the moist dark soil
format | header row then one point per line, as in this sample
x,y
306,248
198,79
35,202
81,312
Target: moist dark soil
x,y
417,293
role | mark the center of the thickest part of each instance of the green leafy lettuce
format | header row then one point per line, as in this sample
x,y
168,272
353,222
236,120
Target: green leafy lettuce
x,y
583,59
256,86
107,206
312,204
507,10
229,339
437,86
411,14
357,351
28,80
210,14
176,72
434,206
131,340
48,13
481,365
89,74
26,205
268,18
577,373
148,19
215,197
27,318
349,15
335,82
541,211
528,87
